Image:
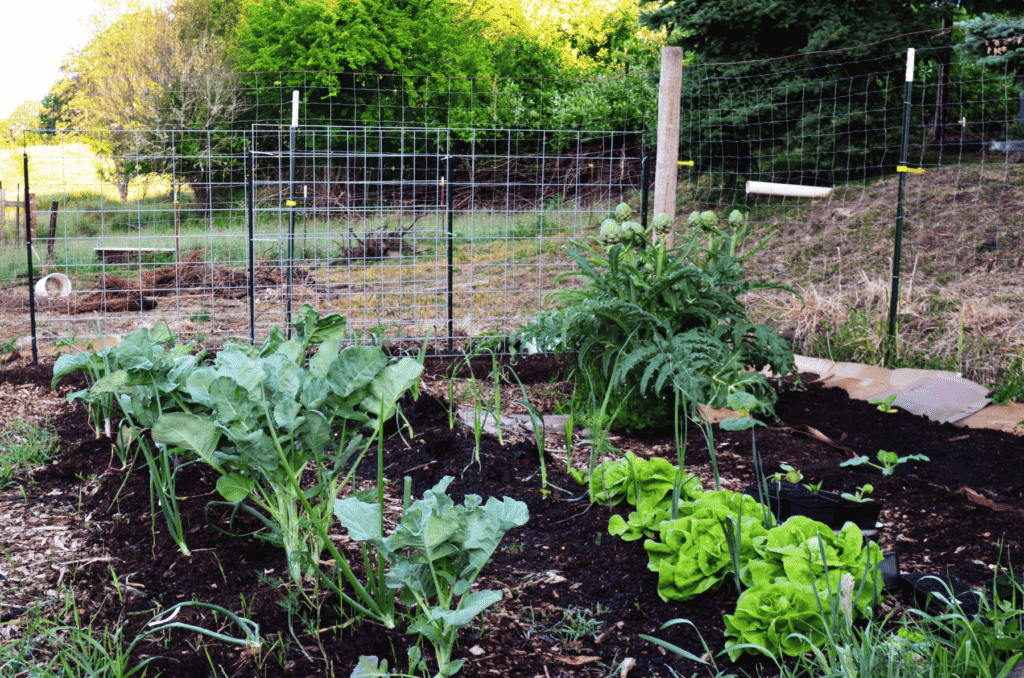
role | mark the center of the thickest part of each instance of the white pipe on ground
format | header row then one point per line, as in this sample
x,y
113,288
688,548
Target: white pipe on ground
x,y
789,190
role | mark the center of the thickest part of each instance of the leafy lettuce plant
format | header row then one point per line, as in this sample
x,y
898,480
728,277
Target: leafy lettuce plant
x,y
802,549
773,619
435,554
266,417
631,478
800,572
647,484
693,555
672,311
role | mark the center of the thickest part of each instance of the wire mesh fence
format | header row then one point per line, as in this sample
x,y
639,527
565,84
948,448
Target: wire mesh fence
x,y
430,222
409,232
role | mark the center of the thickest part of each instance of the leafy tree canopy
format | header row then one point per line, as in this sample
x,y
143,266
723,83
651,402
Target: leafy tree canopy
x,y
745,30
995,41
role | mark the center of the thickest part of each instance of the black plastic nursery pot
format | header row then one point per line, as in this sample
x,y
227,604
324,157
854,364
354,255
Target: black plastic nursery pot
x,y
778,497
1010,588
889,566
835,511
929,592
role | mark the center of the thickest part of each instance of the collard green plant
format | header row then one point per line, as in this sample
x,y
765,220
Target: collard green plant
x,y
435,554
672,312
134,383
266,417
150,358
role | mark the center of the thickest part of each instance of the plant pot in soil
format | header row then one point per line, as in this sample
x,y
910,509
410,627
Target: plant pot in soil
x,y
889,566
1010,588
779,495
835,511
923,591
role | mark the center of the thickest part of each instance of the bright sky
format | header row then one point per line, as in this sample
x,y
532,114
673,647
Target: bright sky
x,y
37,35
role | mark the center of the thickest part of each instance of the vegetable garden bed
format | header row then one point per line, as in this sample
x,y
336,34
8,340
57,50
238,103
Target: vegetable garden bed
x,y
575,599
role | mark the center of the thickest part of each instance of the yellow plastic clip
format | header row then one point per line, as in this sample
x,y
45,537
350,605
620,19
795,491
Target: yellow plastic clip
x,y
962,121
442,181
290,203
915,170
175,202
688,163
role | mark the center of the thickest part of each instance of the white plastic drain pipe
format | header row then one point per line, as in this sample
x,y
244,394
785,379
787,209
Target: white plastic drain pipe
x,y
789,190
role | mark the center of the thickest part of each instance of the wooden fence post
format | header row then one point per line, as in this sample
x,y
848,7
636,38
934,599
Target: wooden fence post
x,y
53,232
31,222
666,171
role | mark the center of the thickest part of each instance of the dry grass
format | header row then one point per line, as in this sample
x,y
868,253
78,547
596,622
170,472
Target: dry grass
x,y
961,291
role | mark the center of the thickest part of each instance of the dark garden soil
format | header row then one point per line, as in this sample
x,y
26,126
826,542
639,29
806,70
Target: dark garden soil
x,y
962,513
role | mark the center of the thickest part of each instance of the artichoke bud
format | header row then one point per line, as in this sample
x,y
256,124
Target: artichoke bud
x,y
662,224
610,233
709,218
736,218
623,211
694,219
631,230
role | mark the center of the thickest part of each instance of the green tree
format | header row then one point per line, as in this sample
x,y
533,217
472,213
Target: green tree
x,y
997,43
797,84
337,51
160,86
24,117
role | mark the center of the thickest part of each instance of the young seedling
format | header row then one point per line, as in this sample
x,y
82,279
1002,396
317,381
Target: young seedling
x,y
790,474
813,488
859,495
885,404
889,461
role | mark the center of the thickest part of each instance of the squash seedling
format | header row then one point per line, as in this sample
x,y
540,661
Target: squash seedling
x,y
889,461
885,404
859,495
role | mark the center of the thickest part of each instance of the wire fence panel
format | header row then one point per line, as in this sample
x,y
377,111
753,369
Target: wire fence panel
x,y
413,198
409,232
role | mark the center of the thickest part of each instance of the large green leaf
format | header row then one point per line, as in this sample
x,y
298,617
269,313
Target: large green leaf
x,y
354,368
189,432
74,362
229,402
469,607
362,520
111,383
389,385
485,527
235,487
320,364
244,370
370,667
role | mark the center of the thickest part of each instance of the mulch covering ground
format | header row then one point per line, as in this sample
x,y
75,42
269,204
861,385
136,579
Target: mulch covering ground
x,y
961,513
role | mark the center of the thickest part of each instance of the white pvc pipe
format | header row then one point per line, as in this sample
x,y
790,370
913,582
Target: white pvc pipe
x,y
54,285
295,108
789,190
910,64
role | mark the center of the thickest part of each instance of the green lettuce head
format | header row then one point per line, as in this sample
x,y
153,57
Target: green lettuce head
x,y
693,554
780,618
793,552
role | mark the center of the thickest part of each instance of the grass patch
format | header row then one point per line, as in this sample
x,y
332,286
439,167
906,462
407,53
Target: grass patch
x,y
24,446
